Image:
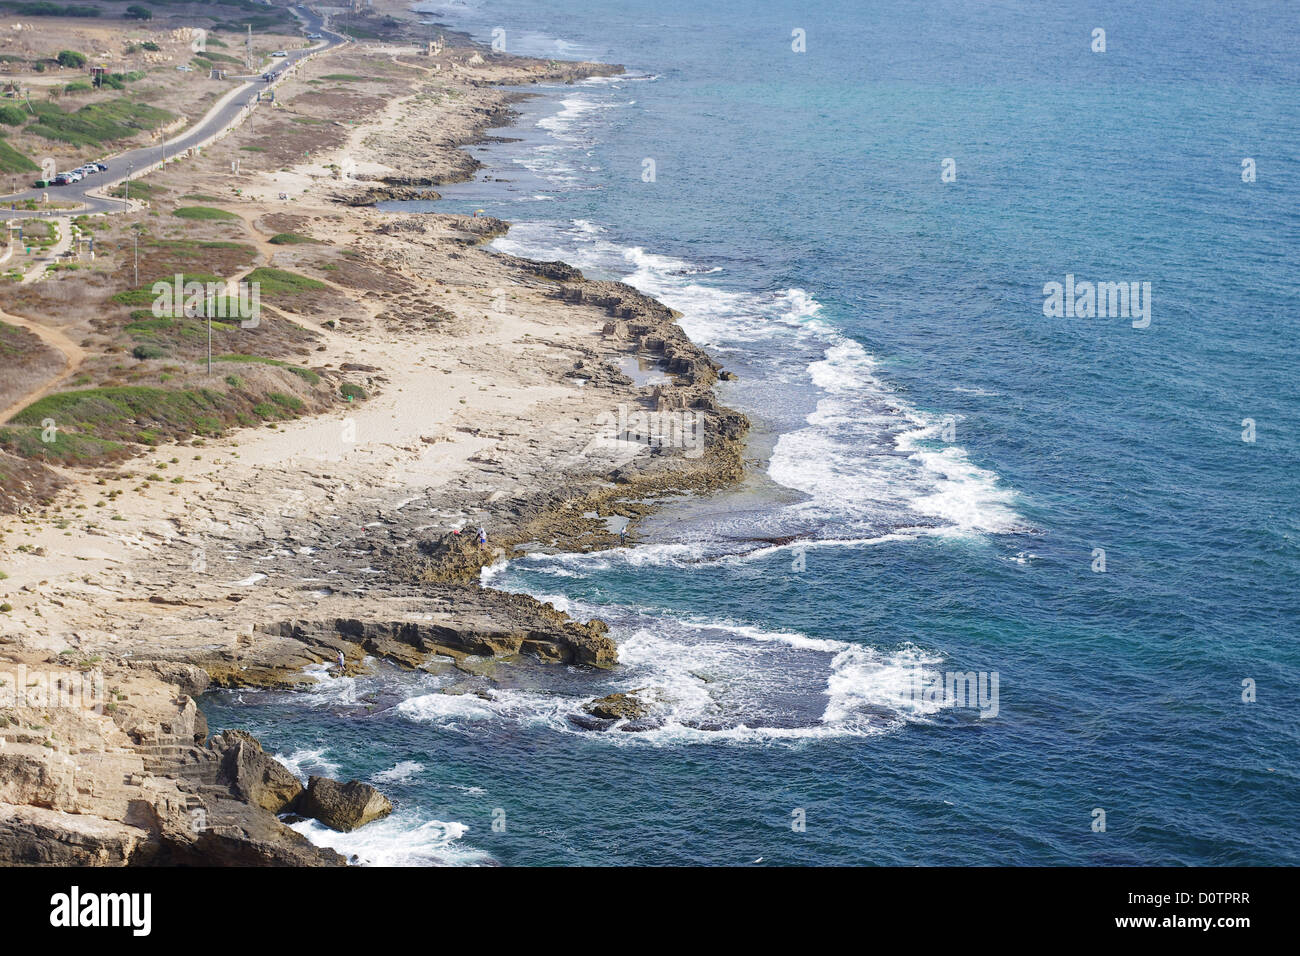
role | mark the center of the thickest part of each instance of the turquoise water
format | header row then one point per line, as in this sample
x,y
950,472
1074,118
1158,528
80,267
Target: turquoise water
x,y
935,461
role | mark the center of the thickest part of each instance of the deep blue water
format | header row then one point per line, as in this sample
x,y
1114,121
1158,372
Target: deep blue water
x,y
948,457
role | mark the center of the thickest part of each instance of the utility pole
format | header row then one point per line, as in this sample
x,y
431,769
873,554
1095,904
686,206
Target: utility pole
x,y
248,48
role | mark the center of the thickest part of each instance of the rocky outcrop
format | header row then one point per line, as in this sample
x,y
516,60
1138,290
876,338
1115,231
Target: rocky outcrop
x,y
38,836
124,779
342,806
377,194
190,679
555,271
251,775
534,628
469,230
651,328
617,707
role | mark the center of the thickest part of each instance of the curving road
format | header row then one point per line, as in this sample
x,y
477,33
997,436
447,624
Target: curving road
x,y
135,162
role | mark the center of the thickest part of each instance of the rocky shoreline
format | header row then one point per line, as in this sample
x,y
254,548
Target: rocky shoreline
x,y
139,780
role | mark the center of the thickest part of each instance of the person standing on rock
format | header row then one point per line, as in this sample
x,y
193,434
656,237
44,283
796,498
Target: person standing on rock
x,y
342,663
482,536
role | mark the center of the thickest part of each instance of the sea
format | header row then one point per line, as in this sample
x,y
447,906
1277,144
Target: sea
x,y
1009,582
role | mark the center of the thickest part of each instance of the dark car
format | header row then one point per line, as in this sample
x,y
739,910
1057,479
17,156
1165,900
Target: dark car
x,y
102,167
63,179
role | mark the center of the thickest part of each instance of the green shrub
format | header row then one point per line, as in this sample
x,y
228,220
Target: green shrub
x,y
287,402
143,352
66,446
202,212
306,374
71,58
120,412
278,281
96,123
12,161
352,392
144,294
12,115
291,239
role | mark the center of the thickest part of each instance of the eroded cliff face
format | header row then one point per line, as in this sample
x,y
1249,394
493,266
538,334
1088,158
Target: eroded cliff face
x,y
107,764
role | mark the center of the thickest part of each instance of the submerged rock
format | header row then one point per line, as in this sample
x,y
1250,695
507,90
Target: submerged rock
x,y
342,806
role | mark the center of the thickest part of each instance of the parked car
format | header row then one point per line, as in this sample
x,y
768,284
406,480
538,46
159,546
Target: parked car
x,y
75,176
102,167
62,180
279,53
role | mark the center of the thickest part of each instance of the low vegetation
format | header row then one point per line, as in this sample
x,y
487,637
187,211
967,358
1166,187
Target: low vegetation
x,y
202,212
96,123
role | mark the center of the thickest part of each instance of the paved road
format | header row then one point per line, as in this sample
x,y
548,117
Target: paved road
x,y
135,161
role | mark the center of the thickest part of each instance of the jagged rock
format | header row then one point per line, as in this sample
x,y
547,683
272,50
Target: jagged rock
x,y
617,707
230,833
528,627
342,806
251,774
556,271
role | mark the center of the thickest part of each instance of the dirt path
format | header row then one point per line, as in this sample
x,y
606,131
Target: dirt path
x,y
73,354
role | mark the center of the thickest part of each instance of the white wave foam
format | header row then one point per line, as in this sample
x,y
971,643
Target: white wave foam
x,y
438,707
525,707
303,763
866,460
401,773
708,680
400,839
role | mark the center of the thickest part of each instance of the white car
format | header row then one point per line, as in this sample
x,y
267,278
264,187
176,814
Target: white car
x,y
279,53
76,176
